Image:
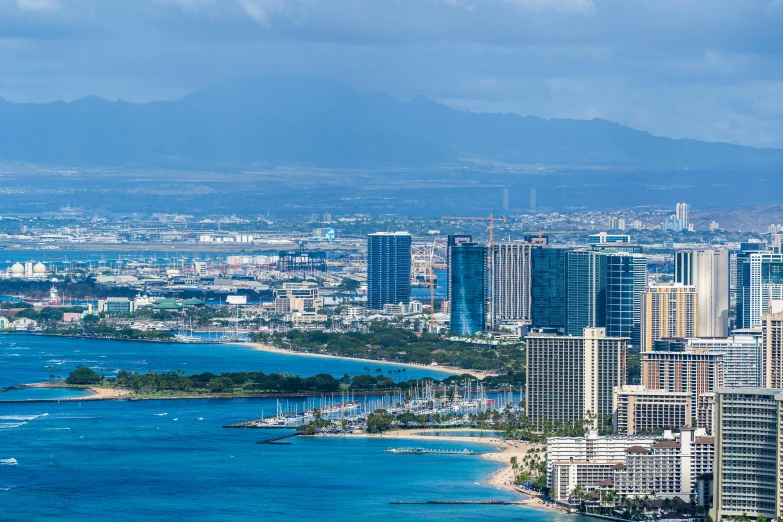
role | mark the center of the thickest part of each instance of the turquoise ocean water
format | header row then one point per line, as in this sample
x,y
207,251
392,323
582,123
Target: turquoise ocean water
x,y
172,460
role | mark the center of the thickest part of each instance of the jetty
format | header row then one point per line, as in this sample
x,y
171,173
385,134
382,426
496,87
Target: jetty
x,y
276,440
460,503
425,451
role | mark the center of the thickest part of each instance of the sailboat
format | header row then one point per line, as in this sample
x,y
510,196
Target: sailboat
x,y
188,336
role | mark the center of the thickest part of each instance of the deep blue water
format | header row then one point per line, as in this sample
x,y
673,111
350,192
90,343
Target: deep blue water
x,y
171,460
24,358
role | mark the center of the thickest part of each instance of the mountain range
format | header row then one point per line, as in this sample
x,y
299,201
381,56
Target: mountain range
x,y
321,122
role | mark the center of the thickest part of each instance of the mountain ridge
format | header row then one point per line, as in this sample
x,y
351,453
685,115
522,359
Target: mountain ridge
x,y
323,122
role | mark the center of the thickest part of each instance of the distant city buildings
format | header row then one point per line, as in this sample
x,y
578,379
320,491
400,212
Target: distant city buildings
x,y
388,269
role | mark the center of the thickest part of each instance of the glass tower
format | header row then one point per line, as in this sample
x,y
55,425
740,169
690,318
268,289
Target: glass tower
x,y
626,279
585,291
548,303
469,288
388,269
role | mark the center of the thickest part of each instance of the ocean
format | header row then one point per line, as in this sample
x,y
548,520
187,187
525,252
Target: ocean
x,y
165,460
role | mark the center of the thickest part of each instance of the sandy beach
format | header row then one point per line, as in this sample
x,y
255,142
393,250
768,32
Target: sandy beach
x,y
98,394
442,369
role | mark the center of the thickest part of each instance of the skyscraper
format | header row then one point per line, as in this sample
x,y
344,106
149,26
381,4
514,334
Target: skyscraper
x,y
548,298
683,213
708,271
452,241
694,372
626,281
505,199
748,478
668,311
569,377
759,286
509,282
585,290
772,351
388,269
469,288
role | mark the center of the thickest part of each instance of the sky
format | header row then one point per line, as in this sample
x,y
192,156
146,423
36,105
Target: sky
x,y
704,69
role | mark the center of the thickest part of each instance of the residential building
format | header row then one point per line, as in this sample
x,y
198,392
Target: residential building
x,y
452,241
388,269
639,410
668,311
708,271
772,351
692,372
568,474
742,357
468,288
548,296
298,297
585,291
570,378
759,276
626,281
510,267
748,476
705,411
682,211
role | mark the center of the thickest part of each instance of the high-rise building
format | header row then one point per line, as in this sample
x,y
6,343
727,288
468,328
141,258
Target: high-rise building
x,y
626,281
693,372
772,351
509,265
505,199
708,271
548,297
452,241
585,291
742,357
388,269
532,199
683,213
748,475
759,286
469,288
572,377
639,410
668,311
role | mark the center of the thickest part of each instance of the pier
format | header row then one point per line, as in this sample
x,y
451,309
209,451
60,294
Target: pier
x,y
424,451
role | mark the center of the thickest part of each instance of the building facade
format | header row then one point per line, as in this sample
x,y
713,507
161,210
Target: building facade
x,y
510,273
759,286
452,241
772,351
626,281
388,269
668,311
468,285
585,291
570,378
693,372
639,410
742,357
548,296
748,447
708,271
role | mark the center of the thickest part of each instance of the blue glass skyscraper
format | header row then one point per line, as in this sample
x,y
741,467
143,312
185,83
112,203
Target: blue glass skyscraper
x,y
388,269
626,280
548,303
469,288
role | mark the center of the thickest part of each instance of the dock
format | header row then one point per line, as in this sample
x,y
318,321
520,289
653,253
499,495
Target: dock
x,y
425,451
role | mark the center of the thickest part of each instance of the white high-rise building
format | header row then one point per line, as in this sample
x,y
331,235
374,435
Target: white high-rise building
x,y
509,282
683,213
708,271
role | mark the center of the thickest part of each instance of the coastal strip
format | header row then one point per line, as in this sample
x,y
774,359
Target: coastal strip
x,y
478,374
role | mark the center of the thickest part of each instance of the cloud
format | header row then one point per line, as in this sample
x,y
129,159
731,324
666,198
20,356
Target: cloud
x,y
38,5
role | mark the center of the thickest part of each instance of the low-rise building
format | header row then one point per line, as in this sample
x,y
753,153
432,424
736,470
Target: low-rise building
x,y
118,305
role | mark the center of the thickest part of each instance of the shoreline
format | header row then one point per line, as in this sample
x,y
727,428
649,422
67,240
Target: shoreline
x,y
262,347
501,479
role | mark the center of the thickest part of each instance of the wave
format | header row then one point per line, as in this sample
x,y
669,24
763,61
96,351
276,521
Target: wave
x,y
200,418
20,417
57,429
11,425
160,414
13,355
8,462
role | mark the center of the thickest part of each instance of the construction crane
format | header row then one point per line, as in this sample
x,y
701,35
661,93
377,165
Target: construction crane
x,y
491,220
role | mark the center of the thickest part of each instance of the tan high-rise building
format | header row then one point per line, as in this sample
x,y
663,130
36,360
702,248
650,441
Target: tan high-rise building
x,y
772,351
668,311
570,377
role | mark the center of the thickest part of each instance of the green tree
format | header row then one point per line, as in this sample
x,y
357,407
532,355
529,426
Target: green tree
x,y
83,375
